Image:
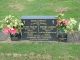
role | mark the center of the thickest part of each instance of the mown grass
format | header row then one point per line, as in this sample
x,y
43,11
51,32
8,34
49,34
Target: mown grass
x,y
20,8
39,51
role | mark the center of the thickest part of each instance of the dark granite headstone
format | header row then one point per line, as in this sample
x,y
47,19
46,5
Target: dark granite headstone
x,y
39,27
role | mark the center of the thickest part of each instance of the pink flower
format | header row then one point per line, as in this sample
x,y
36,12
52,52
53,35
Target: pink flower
x,y
9,30
13,31
66,22
63,22
6,30
58,22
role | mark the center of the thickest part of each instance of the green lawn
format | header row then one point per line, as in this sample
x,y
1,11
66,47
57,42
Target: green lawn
x,y
39,7
39,51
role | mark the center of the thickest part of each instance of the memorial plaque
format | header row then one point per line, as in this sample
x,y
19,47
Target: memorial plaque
x,y
39,27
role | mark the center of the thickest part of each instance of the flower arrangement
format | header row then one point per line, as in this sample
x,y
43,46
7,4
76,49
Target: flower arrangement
x,y
11,25
66,25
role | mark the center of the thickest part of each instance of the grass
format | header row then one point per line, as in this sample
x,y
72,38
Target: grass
x,y
20,8
39,51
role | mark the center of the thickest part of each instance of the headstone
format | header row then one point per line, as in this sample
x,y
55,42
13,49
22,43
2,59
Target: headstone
x,y
39,27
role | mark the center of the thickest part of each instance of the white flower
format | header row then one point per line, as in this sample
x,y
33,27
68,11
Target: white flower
x,y
73,21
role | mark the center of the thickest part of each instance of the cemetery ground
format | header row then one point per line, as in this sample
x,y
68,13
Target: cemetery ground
x,y
20,8
39,51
